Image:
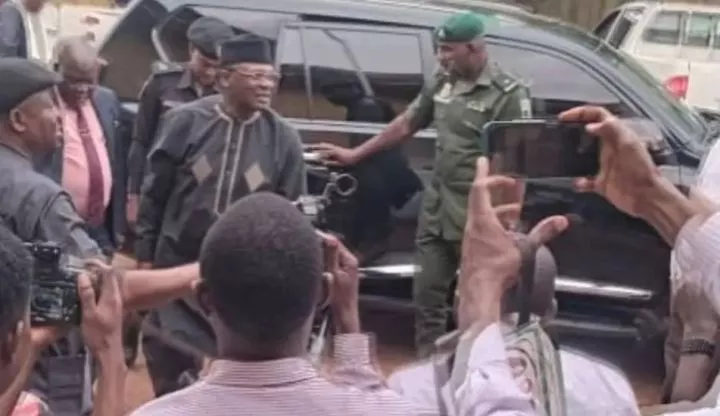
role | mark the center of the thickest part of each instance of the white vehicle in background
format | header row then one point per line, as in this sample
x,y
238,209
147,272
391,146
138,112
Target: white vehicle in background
x,y
92,19
677,42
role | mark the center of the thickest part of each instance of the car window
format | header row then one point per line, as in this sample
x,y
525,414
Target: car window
x,y
355,74
173,31
129,50
716,30
665,28
603,28
555,83
628,20
700,28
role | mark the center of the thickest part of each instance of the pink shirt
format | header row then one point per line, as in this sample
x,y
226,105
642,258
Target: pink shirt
x,y
76,178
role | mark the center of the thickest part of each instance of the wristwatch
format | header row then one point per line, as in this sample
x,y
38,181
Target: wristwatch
x,y
698,346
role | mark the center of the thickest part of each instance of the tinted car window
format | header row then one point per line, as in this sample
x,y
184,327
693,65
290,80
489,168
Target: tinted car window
x,y
665,28
629,18
603,29
344,65
173,30
555,83
129,50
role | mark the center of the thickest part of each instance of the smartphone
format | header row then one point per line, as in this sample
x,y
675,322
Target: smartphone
x,y
541,149
546,156
54,298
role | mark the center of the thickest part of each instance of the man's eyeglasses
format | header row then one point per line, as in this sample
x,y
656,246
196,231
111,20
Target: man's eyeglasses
x,y
273,77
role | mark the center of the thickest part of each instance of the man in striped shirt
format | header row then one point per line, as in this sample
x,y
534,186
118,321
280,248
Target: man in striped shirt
x,y
263,267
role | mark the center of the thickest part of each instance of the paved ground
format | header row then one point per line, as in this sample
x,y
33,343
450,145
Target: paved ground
x,y
394,347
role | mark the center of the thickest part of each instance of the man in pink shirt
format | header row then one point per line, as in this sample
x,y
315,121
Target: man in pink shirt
x,y
90,164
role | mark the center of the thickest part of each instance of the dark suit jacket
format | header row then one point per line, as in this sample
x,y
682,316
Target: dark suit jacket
x,y
12,31
107,107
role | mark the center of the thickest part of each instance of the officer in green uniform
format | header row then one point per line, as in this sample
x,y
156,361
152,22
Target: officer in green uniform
x,y
469,91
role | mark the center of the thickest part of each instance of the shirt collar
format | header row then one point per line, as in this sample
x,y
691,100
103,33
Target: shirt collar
x,y
186,80
15,153
188,83
261,373
254,116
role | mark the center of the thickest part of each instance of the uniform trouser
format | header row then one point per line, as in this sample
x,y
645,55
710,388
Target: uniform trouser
x,y
439,260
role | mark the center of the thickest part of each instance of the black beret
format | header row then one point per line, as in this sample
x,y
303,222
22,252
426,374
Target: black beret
x,y
20,78
245,48
206,32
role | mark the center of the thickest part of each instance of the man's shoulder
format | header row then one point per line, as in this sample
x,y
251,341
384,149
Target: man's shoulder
x,y
105,93
164,74
503,80
205,106
179,403
9,8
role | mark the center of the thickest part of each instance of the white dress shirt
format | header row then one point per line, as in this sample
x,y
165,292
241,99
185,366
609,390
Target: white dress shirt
x,y
592,387
487,390
697,252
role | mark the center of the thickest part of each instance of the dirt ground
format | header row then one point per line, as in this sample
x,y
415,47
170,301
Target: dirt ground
x,y
394,350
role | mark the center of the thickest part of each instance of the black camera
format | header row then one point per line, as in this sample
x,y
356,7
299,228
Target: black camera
x,y
54,298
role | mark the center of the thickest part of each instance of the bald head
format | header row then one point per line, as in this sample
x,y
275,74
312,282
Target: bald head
x,y
76,54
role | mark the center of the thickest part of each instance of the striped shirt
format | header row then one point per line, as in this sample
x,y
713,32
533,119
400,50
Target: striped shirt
x,y
290,386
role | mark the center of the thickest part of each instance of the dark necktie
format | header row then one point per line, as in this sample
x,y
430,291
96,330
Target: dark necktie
x,y
96,193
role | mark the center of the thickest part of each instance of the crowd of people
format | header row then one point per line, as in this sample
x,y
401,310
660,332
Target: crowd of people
x,y
231,275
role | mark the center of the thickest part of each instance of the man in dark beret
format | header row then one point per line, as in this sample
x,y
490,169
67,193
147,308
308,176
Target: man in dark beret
x,y
36,209
169,87
468,91
210,153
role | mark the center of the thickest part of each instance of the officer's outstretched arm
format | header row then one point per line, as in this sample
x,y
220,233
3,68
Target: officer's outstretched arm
x,y
417,116
147,289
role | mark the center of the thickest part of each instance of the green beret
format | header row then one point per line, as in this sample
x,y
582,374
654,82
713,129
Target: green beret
x,y
461,27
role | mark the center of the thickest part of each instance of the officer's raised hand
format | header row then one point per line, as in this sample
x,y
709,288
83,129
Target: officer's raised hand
x,y
334,155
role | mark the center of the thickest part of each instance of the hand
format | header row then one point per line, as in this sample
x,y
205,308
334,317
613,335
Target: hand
x,y
102,318
487,246
131,209
491,261
334,155
342,267
32,342
627,172
696,312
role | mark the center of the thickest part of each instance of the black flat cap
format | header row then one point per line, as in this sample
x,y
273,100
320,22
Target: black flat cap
x,y
20,78
206,32
245,49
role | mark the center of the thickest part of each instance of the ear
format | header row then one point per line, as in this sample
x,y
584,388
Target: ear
x,y
204,298
17,121
9,345
223,77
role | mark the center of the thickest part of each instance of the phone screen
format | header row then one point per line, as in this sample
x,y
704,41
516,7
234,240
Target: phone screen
x,y
542,149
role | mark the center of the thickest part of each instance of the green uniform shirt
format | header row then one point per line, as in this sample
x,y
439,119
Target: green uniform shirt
x,y
460,110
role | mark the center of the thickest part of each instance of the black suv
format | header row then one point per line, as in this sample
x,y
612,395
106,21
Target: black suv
x,y
614,269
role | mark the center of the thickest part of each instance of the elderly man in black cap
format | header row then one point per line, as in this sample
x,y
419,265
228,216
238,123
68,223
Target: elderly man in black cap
x,y
37,209
169,87
210,153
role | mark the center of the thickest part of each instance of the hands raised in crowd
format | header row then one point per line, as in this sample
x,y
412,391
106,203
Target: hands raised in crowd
x,y
341,268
